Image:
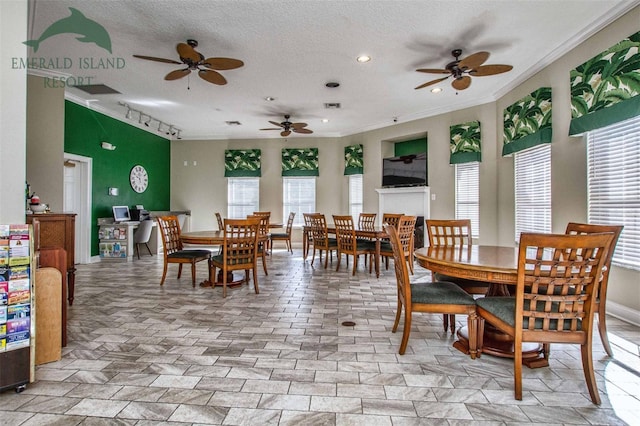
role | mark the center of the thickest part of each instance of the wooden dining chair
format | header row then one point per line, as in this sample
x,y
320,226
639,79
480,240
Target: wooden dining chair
x,y
306,239
367,220
174,252
320,238
263,238
601,299
456,233
239,251
555,300
349,245
283,236
432,297
392,219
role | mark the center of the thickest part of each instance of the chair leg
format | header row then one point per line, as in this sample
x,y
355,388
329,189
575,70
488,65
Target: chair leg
x,y
602,329
313,257
406,331
452,323
193,274
150,254
445,322
517,366
264,260
587,366
179,270
326,259
164,273
398,313
355,263
138,250
339,260
255,281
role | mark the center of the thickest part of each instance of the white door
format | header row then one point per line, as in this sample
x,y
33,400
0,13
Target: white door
x,y
77,199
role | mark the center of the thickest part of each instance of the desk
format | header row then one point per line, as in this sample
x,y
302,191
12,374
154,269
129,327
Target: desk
x,y
375,233
494,264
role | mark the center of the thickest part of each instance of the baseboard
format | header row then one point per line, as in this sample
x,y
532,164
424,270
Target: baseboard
x,y
624,313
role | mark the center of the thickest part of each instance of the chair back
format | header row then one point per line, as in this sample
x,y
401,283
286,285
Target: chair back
x,y
240,241
406,228
453,232
143,233
391,219
220,222
292,216
366,220
558,277
267,214
170,231
400,265
318,224
263,223
345,233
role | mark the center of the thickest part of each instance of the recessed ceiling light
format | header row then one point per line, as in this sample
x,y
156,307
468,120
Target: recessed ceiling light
x,y
325,120
363,58
436,90
269,99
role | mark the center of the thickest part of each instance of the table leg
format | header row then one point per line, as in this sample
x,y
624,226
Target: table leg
x,y
377,257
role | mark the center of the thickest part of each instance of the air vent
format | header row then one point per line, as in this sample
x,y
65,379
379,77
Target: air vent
x,y
97,89
332,105
233,123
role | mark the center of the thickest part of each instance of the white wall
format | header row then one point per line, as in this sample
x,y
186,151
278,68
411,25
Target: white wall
x,y
13,113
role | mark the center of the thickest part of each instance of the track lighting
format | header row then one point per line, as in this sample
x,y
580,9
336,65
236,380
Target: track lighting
x,y
128,116
178,134
146,119
172,130
148,122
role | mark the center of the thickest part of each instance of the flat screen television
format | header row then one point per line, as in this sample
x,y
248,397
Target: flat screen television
x,y
405,170
121,214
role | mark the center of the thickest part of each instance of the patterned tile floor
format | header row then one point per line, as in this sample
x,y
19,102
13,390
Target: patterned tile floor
x,y
144,354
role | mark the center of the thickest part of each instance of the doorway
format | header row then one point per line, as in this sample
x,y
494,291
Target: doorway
x,y
77,199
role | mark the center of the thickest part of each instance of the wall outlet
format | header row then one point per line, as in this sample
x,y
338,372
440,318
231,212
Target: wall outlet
x,y
433,197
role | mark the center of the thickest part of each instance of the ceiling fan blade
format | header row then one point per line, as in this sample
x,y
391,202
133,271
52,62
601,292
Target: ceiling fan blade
x,y
276,124
188,52
434,71
174,75
285,133
304,131
474,61
212,77
461,83
298,125
222,63
429,83
152,58
273,128
490,70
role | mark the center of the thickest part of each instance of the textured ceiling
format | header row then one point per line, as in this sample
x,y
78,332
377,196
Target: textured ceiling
x,y
291,49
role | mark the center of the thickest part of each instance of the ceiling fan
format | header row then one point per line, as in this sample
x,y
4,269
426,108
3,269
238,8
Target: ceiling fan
x,y
462,69
287,127
207,68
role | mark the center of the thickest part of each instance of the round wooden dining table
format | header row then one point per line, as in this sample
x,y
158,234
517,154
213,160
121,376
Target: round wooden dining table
x,y
493,264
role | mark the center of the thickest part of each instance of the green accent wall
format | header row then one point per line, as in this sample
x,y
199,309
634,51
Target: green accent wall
x,y
84,130
415,146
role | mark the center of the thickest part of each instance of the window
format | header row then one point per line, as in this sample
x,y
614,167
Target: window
x,y
468,194
299,196
242,196
613,177
355,195
533,190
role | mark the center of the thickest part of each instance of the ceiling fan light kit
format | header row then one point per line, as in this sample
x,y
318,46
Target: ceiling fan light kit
x,y
286,127
463,69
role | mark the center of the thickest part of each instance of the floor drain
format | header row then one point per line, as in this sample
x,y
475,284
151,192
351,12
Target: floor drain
x,y
349,323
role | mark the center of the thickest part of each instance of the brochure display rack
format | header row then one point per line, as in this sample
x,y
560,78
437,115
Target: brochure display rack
x,y
17,313
114,241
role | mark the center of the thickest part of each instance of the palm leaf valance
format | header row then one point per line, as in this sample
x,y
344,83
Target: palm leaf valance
x,y
605,89
465,143
242,163
527,123
353,160
300,162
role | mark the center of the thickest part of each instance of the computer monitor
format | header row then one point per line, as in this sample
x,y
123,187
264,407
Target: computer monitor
x,y
121,214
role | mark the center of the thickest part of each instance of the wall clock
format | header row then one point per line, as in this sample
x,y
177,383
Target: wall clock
x,y
139,178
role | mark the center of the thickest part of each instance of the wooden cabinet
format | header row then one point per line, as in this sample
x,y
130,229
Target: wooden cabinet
x,y
57,230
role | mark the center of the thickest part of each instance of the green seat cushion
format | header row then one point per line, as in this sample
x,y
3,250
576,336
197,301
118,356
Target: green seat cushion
x,y
440,293
386,247
279,235
505,309
218,258
365,245
189,254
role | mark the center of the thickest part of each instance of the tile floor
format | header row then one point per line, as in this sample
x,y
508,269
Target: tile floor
x,y
144,354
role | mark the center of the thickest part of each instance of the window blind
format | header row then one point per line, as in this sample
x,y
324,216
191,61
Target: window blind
x,y
468,195
242,197
355,195
532,169
613,161
299,196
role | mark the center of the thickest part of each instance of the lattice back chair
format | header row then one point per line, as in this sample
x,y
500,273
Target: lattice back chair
x,y
367,220
457,233
555,300
601,300
391,219
385,247
306,242
263,238
320,238
434,297
239,251
283,236
174,252
349,245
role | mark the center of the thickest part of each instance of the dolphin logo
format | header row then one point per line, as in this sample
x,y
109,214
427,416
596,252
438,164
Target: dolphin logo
x,y
77,23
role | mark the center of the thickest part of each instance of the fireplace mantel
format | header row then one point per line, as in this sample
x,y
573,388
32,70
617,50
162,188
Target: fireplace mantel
x,y
411,200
